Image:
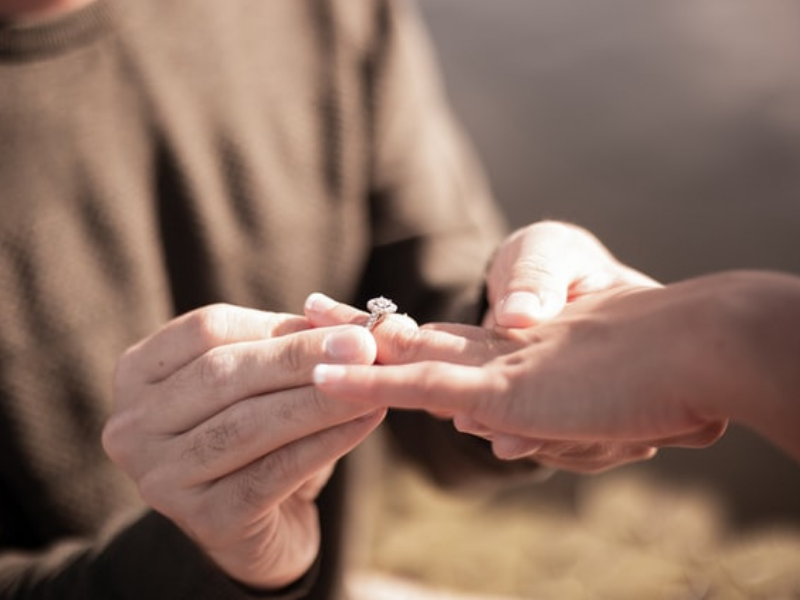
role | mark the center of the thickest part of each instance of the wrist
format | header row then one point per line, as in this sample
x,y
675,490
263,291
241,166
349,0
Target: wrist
x,y
751,324
768,321
707,322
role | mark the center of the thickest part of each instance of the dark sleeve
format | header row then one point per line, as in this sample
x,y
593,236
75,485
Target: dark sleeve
x,y
434,221
149,558
435,226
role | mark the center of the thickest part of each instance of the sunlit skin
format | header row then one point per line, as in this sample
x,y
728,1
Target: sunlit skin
x,y
617,375
537,272
540,267
217,421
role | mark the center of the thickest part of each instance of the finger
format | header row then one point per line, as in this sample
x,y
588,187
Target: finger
x,y
189,336
591,458
226,375
401,341
251,429
466,424
699,438
433,386
268,481
544,265
530,277
323,311
512,447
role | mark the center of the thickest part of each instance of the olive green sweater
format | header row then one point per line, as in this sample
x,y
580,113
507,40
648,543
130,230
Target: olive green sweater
x,y
158,155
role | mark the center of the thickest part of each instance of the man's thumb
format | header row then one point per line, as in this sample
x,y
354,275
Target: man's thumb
x,y
527,307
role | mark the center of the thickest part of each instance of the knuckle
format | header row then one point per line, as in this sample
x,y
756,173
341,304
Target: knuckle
x,y
214,441
218,437
533,266
244,422
212,323
295,355
321,406
249,492
400,345
217,367
288,414
280,465
255,487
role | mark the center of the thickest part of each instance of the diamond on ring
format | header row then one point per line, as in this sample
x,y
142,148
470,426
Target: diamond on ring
x,y
378,309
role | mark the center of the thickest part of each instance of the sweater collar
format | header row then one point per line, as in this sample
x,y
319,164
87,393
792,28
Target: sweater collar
x,y
39,39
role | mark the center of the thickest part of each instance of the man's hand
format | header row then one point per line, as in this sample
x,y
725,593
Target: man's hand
x,y
541,267
217,422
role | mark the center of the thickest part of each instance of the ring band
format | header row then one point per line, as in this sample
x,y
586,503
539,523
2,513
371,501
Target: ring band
x,y
378,309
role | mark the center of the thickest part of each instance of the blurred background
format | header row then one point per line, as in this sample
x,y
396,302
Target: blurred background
x,y
672,131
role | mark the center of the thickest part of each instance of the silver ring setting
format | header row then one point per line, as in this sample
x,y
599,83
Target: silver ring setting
x,y
378,309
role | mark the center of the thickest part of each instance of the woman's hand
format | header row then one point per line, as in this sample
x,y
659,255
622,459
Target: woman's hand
x,y
615,377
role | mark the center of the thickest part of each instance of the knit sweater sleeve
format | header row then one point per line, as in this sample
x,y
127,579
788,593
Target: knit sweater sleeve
x,y
148,558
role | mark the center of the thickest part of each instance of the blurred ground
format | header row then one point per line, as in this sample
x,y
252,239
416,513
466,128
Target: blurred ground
x,y
628,537
672,130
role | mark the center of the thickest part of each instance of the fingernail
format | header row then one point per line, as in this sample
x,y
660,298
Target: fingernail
x,y
520,309
328,373
349,344
511,447
318,302
372,415
551,305
465,424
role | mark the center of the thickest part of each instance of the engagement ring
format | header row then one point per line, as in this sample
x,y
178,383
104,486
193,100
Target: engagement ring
x,y
378,309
